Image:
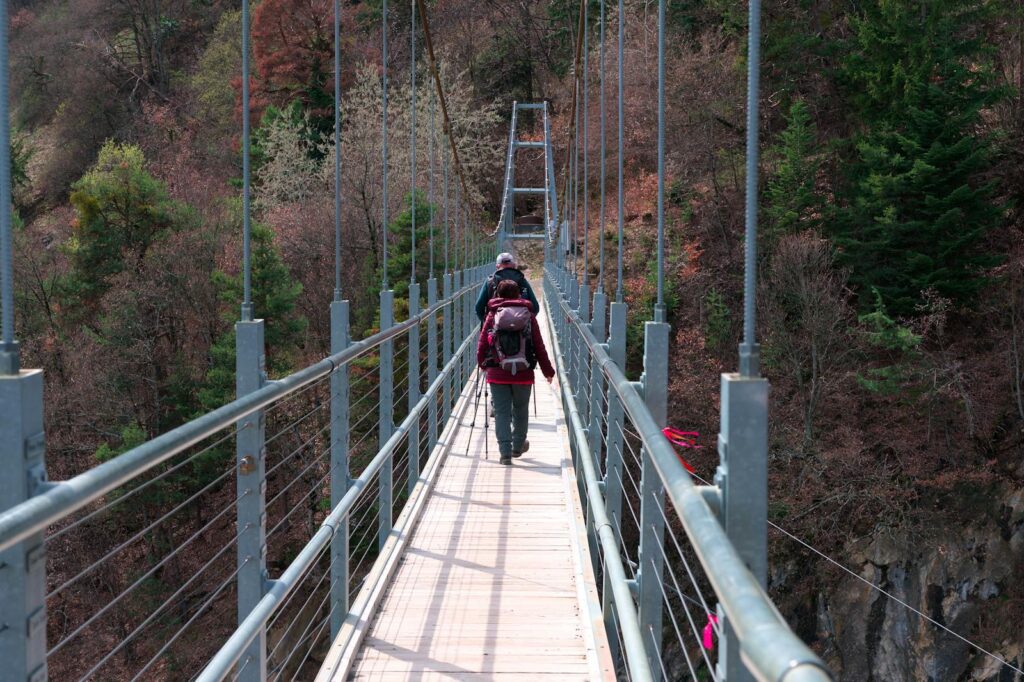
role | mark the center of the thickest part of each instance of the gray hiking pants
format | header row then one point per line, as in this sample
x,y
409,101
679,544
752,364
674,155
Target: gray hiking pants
x,y
511,415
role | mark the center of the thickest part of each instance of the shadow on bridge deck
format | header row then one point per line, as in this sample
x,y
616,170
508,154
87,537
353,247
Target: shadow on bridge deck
x,y
494,581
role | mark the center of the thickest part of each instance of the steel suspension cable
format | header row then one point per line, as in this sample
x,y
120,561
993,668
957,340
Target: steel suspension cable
x,y
447,224
601,224
430,175
459,260
621,115
586,146
575,89
412,136
9,361
247,307
576,183
384,142
337,150
659,308
749,361
446,121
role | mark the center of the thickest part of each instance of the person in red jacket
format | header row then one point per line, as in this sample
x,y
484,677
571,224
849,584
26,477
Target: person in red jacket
x,y
510,380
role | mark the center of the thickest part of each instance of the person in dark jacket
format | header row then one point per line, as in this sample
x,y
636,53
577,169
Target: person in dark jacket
x,y
505,269
511,392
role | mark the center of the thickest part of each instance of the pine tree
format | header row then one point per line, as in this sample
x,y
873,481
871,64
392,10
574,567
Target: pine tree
x,y
916,207
792,205
121,211
400,246
274,295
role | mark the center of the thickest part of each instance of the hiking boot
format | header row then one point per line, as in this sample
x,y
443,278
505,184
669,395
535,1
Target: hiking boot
x,y
506,460
522,448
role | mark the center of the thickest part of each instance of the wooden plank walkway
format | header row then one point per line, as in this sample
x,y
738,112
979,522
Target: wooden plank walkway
x,y
494,581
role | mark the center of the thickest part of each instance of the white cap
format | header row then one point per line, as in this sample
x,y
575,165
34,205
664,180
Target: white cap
x,y
505,259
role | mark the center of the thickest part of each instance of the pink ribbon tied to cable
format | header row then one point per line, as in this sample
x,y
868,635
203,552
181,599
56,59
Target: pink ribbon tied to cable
x,y
709,632
684,439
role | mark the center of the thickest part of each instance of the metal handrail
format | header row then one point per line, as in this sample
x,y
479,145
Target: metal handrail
x,y
625,607
220,665
769,648
63,498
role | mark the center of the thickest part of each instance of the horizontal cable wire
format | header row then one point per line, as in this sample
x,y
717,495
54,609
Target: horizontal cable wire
x,y
143,486
160,608
202,609
298,449
91,567
297,422
689,617
110,604
302,391
313,462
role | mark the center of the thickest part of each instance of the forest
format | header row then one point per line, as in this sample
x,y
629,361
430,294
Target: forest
x,y
890,273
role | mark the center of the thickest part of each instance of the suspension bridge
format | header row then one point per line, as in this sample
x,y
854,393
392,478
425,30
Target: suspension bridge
x,y
357,524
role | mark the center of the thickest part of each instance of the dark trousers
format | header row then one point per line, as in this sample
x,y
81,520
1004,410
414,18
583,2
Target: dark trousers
x,y
511,415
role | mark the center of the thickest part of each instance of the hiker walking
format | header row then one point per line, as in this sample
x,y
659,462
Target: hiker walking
x,y
505,269
509,348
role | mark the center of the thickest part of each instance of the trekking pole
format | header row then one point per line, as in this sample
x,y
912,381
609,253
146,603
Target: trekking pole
x,y
476,408
487,421
536,413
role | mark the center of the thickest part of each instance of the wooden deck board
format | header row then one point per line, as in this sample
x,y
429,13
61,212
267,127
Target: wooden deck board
x,y
490,583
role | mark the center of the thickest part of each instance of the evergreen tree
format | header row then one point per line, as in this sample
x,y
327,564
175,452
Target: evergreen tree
x,y
792,205
400,246
121,211
915,205
274,294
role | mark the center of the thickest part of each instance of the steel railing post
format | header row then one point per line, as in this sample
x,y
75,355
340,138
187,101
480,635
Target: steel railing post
x,y
23,565
459,319
598,326
250,375
432,428
339,465
581,364
613,459
652,495
385,413
742,478
446,343
414,386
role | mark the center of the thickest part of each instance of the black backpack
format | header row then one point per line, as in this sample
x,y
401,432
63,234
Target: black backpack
x,y
507,273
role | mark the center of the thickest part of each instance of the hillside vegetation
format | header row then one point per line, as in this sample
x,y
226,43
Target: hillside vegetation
x,y
891,270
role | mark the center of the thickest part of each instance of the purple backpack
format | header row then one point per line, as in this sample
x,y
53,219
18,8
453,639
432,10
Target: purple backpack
x,y
511,339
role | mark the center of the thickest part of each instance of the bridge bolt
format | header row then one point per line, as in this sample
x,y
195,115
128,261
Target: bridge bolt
x,y
247,465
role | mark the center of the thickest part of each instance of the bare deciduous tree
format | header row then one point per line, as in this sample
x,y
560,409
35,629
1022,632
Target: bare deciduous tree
x,y
803,299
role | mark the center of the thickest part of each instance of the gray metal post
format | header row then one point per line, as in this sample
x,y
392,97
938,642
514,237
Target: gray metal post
x,y
432,428
599,327
581,356
385,413
339,465
613,458
742,477
414,386
652,495
250,376
459,314
22,566
446,346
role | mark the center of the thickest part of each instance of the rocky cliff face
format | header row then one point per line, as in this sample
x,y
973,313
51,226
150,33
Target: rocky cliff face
x,y
968,577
